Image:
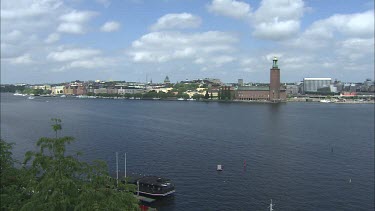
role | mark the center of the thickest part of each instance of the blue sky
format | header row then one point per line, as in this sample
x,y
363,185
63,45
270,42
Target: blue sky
x,y
50,41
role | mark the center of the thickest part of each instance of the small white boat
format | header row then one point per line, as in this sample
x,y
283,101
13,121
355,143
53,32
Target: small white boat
x,y
325,101
219,168
63,96
180,98
31,98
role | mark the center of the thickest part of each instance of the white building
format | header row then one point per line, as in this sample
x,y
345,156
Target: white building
x,y
313,84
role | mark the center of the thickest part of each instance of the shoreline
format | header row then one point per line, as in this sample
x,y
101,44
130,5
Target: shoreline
x,y
303,100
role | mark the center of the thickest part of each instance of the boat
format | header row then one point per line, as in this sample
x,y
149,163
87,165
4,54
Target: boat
x,y
31,98
149,186
219,168
325,101
18,94
180,98
153,186
63,96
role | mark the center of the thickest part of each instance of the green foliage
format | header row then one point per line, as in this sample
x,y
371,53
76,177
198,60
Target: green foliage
x,y
206,96
182,87
225,93
55,180
12,180
197,96
36,91
183,95
11,88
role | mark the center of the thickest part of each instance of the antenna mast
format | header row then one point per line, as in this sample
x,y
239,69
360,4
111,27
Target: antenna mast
x,y
117,168
125,166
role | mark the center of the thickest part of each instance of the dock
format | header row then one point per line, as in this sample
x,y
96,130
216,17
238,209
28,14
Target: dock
x,y
145,199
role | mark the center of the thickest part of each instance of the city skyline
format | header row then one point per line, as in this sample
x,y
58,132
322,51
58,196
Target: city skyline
x,y
54,41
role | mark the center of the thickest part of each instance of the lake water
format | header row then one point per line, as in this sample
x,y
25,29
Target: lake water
x,y
287,148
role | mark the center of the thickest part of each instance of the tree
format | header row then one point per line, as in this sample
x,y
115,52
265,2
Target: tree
x,y
197,96
12,180
206,96
61,182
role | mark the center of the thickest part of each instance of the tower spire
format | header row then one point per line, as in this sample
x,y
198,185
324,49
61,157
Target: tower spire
x,y
274,64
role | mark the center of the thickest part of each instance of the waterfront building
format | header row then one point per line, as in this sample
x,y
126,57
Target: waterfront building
x,y
327,89
44,87
68,90
292,90
252,93
274,92
100,91
80,90
57,90
130,90
311,85
240,82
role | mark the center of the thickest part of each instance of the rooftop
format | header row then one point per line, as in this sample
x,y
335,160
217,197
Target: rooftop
x,y
315,79
253,88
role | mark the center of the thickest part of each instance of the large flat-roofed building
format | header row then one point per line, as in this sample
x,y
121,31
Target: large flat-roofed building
x,y
313,84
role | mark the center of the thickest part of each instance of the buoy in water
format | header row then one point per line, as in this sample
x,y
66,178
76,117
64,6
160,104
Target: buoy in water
x,y
219,168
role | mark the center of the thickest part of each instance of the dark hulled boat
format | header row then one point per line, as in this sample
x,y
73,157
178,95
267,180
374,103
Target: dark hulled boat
x,y
153,186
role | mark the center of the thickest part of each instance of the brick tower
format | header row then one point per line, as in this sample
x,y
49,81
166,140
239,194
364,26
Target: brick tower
x,y
274,81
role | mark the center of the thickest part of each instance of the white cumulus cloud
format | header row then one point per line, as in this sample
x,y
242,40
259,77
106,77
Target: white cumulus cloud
x,y
276,30
23,59
159,47
357,24
230,8
176,21
71,28
54,37
73,22
110,26
20,9
78,16
72,54
277,19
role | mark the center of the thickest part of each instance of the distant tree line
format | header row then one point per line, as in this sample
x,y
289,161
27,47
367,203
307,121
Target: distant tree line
x,y
23,90
12,88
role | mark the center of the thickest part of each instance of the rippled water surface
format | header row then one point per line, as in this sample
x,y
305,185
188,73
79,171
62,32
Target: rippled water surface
x,y
287,148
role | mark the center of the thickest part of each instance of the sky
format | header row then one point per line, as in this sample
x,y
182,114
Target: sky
x,y
52,41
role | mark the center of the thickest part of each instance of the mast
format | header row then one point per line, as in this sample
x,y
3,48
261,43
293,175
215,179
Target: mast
x,y
125,167
138,187
117,168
